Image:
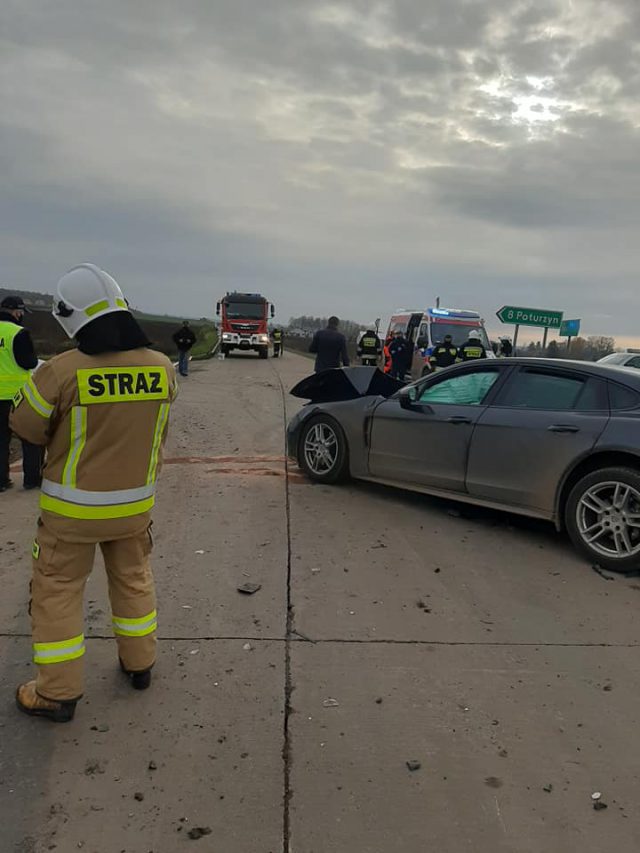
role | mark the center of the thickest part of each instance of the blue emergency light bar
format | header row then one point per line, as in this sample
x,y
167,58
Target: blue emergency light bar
x,y
452,312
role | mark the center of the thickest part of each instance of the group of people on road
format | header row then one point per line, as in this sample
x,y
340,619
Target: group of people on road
x,y
330,348
92,421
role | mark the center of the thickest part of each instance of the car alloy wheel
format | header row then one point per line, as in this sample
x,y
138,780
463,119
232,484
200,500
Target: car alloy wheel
x,y
608,519
321,449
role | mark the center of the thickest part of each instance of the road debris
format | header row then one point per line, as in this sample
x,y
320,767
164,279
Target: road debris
x,y
93,767
600,572
152,765
548,788
599,806
247,647
330,703
596,796
139,796
249,588
199,832
103,727
199,552
413,766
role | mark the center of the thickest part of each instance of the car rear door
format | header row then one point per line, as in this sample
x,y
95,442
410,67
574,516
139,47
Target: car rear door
x,y
540,421
428,443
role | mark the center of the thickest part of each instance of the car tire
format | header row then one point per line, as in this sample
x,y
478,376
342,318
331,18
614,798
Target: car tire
x,y
597,516
328,461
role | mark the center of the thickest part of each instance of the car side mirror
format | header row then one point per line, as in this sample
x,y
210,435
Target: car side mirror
x,y
218,309
408,397
273,311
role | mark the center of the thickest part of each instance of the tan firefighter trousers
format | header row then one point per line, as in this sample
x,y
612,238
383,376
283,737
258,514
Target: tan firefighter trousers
x,y
60,573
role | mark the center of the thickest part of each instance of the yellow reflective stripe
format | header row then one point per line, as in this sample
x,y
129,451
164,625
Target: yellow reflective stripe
x,y
96,307
161,422
122,304
35,399
122,384
140,627
92,513
64,650
76,445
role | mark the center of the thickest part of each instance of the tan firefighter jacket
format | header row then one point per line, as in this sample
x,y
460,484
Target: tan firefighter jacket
x,y
103,420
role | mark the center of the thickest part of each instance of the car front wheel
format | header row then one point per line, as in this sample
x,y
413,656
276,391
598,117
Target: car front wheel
x,y
323,452
602,517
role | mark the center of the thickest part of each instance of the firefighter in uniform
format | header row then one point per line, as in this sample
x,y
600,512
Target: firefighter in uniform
x,y
473,349
277,343
444,354
101,410
370,349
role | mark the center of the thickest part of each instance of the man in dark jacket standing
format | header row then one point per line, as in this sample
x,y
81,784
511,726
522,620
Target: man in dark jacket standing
x,y
17,360
399,349
184,339
330,347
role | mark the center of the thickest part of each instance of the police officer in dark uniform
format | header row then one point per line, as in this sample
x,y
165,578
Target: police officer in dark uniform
x,y
506,347
444,354
473,349
369,348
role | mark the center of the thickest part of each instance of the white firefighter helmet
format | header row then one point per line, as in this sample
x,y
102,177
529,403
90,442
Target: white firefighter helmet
x,y
83,294
505,338
474,335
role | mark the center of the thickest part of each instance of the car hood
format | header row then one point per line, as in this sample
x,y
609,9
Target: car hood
x,y
346,383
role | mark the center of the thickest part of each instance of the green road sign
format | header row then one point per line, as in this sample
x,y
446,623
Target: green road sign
x,y
516,316
569,329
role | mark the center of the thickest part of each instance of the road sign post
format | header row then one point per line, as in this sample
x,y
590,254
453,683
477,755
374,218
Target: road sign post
x,y
569,329
539,317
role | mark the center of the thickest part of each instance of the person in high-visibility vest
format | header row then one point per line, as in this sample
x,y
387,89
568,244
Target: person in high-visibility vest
x,y
17,360
101,410
277,338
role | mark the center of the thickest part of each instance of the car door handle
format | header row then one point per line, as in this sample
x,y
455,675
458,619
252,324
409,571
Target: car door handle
x,y
563,428
458,420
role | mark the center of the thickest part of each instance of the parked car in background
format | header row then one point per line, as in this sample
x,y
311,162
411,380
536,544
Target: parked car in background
x,y
552,439
628,358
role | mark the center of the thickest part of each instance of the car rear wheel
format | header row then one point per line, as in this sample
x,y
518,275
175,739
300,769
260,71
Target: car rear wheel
x,y
323,452
602,517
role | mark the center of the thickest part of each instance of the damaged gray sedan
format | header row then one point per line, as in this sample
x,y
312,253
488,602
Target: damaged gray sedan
x,y
556,440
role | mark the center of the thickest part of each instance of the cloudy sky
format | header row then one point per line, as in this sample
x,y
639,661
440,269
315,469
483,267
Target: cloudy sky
x,y
346,157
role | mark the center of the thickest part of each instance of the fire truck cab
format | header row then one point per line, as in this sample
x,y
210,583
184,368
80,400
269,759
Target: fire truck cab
x,y
244,319
426,329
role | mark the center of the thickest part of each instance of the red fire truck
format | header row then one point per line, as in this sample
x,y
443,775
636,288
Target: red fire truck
x,y
244,319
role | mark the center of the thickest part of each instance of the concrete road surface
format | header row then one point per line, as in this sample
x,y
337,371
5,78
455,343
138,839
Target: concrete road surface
x,y
390,628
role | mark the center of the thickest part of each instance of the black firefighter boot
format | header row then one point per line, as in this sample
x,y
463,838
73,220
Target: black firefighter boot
x,y
30,702
140,680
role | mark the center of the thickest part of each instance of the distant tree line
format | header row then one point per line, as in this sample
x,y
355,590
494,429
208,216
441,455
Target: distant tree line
x,y
309,325
582,349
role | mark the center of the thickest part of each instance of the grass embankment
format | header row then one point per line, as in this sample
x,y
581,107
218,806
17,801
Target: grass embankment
x,y
49,339
207,339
